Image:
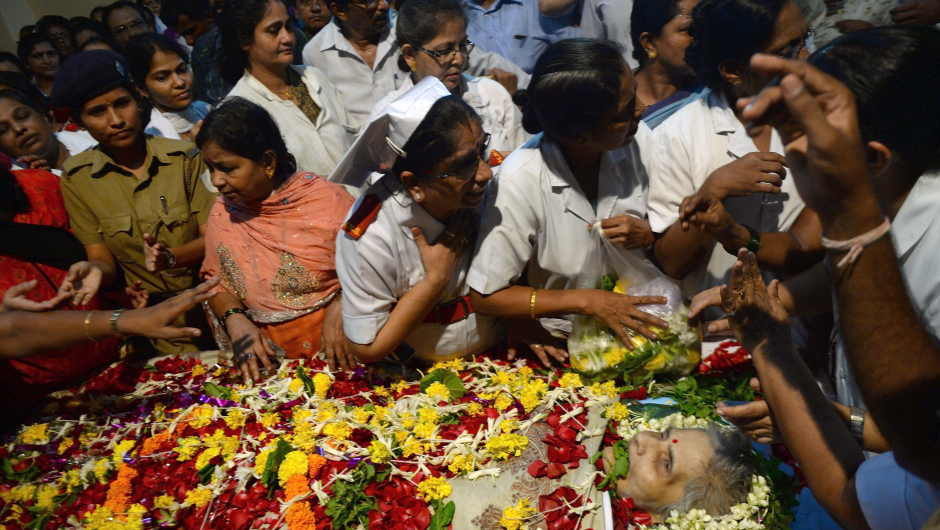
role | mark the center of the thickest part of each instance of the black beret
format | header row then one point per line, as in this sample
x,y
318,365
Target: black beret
x,y
87,75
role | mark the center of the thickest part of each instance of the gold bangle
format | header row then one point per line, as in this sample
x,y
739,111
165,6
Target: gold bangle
x,y
532,303
85,326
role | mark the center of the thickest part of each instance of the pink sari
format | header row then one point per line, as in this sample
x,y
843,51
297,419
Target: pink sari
x,y
278,257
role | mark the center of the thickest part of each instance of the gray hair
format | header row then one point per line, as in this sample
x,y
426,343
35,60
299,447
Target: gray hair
x,y
726,479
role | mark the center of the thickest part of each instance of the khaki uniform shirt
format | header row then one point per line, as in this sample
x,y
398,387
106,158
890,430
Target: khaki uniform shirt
x,y
108,204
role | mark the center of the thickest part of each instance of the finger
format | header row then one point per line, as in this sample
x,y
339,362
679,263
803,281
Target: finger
x,y
246,373
648,300
342,359
622,335
350,357
717,326
511,350
610,222
727,298
908,17
266,353
772,173
172,332
637,327
330,358
774,157
755,384
909,6
747,412
149,240
704,299
649,319
774,290
253,367
737,280
539,351
558,354
419,237
22,288
755,280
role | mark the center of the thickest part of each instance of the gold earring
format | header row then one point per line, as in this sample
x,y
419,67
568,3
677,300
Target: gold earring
x,y
737,82
652,54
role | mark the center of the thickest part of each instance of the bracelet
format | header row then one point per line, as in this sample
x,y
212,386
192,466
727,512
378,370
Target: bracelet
x,y
170,259
85,326
855,245
232,311
753,244
114,321
532,303
857,424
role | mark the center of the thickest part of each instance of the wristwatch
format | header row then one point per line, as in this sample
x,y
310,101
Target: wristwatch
x,y
170,259
857,424
753,244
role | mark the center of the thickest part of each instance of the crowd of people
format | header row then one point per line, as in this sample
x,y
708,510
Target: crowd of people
x,y
408,182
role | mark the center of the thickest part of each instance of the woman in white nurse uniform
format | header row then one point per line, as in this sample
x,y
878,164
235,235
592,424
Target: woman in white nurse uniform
x,y
404,251
585,167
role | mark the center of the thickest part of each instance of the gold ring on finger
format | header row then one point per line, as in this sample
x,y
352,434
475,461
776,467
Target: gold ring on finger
x,y
639,300
534,346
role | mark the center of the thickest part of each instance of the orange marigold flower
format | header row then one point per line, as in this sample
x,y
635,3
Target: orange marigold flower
x,y
155,444
316,462
300,517
119,493
296,485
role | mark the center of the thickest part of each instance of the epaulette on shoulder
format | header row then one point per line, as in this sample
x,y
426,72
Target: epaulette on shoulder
x,y
364,214
193,152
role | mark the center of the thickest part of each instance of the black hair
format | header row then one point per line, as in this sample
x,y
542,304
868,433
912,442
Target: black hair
x,y
7,57
91,14
19,97
21,85
100,29
13,199
140,50
436,137
247,130
419,21
650,16
724,30
122,4
894,74
194,9
237,30
29,42
574,84
49,21
101,40
79,20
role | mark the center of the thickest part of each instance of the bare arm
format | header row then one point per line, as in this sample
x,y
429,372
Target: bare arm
x,y
895,361
186,254
680,251
100,256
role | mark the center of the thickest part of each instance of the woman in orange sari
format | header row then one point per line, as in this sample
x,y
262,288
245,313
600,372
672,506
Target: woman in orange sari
x,y
271,237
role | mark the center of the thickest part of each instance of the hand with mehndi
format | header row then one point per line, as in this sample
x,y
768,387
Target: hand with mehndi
x,y
753,308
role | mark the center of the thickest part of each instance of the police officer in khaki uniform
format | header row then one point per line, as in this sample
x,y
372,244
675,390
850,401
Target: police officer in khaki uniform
x,y
137,202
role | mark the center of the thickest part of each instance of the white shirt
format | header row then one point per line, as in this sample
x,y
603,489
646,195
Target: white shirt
x,y
915,233
610,19
384,264
686,149
892,498
360,86
317,147
501,118
539,217
76,141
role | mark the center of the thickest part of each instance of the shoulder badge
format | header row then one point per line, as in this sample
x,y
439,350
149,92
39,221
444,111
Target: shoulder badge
x,y
363,216
193,152
496,158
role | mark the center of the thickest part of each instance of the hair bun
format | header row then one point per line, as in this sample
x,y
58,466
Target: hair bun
x,y
530,120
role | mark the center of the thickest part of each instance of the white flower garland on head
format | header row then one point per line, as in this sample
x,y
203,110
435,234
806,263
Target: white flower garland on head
x,y
744,516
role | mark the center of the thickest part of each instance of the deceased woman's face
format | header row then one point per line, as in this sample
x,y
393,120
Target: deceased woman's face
x,y
661,464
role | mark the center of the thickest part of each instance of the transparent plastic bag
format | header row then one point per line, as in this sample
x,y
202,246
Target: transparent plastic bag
x,y
595,351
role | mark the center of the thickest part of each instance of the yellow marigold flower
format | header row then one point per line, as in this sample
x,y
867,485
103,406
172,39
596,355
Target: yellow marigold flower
x,y
322,384
305,439
199,370
608,389
379,415
503,378
570,380
100,519
618,412
413,447
296,385
525,371
361,415
270,419
201,416
135,517
64,445
86,437
462,463
35,434
234,395
434,488
502,402
339,430
379,452
401,436
122,448
408,421
298,415
475,409
399,386
505,445
294,463
514,517
300,517
438,391
101,469
44,495
73,479
187,448
425,430
235,419
615,356
261,460
207,455
532,393
164,502
199,497
380,391
509,425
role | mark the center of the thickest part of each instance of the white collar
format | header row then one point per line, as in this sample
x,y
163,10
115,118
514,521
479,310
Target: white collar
x,y
408,213
920,210
563,180
725,122
313,86
334,39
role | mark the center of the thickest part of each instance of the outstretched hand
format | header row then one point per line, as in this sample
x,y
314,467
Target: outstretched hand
x,y
155,254
81,283
754,310
531,334
15,299
157,322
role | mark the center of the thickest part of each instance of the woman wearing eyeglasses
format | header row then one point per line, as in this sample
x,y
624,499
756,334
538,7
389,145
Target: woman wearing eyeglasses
x,y
433,39
257,52
704,149
403,255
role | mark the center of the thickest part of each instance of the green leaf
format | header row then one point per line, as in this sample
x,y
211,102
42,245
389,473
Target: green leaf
x,y
308,383
8,469
269,477
449,379
216,391
443,515
595,457
205,474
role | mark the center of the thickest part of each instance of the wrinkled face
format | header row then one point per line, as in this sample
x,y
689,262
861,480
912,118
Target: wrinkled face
x,y
23,131
674,39
237,178
169,82
191,29
273,43
126,23
447,68
62,38
113,119
617,128
661,464
313,14
366,17
43,61
453,192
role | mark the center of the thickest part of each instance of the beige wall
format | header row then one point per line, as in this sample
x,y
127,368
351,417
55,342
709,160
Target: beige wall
x,y
15,14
